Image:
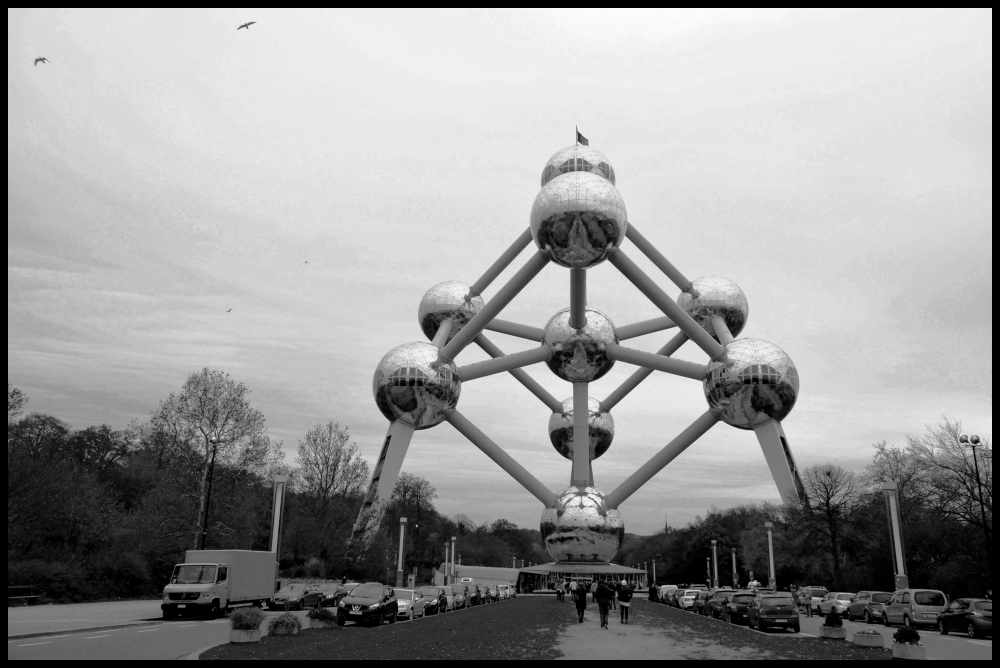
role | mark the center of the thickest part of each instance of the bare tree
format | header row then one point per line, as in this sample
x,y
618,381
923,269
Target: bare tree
x,y
832,494
15,402
213,416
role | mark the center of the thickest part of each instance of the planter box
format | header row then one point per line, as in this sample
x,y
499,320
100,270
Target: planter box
x,y
244,636
909,652
832,633
320,624
867,640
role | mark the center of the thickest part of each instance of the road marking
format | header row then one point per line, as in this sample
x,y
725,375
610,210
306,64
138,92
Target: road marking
x,y
981,643
96,637
186,626
32,644
148,631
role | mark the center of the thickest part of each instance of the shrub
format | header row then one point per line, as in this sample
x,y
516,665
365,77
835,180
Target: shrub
x,y
868,632
58,581
906,636
833,620
322,614
246,619
284,625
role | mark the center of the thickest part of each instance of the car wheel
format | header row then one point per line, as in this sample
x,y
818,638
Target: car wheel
x,y
906,622
392,617
302,605
167,616
214,612
868,618
885,621
972,632
848,616
941,628
796,629
409,617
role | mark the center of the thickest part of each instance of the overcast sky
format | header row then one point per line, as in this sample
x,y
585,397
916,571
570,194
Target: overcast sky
x,y
838,166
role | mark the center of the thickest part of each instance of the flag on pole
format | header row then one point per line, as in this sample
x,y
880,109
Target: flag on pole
x,y
580,139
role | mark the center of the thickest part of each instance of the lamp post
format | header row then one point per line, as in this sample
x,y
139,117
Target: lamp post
x,y
772,581
715,564
708,570
400,565
736,578
975,443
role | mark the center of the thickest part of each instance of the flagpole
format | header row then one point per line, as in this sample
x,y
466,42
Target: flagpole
x,y
576,128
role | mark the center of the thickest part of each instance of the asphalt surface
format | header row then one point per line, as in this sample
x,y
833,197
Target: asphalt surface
x,y
67,617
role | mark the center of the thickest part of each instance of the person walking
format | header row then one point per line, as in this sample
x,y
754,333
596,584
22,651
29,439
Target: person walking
x,y
581,600
624,600
614,596
796,599
593,591
604,594
806,597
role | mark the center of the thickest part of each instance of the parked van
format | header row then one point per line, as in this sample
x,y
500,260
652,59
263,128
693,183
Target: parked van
x,y
213,582
914,607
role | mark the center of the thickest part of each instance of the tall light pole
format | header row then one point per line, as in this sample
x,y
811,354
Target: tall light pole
x,y
708,570
772,581
715,564
447,564
400,565
736,578
975,443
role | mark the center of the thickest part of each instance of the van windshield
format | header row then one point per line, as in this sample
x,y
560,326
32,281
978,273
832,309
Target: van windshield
x,y
187,574
929,598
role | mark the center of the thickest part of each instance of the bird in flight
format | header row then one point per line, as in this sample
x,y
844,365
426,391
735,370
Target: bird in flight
x,y
41,59
229,311
246,25
307,261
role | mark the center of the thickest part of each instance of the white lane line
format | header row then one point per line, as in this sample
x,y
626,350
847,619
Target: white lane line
x,y
148,631
187,626
96,637
32,644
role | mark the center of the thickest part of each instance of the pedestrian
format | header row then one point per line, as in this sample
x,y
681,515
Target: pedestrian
x,y
581,600
614,596
806,597
593,591
796,600
604,594
624,600
567,589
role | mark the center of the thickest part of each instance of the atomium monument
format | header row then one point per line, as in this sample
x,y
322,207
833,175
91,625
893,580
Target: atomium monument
x,y
578,220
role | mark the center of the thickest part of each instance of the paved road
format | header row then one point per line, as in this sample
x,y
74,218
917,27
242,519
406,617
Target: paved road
x,y
938,647
58,618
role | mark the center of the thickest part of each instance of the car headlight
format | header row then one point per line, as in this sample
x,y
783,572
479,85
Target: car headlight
x,y
166,596
205,594
375,606
341,605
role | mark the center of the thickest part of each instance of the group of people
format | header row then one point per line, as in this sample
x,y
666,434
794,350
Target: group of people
x,y
608,596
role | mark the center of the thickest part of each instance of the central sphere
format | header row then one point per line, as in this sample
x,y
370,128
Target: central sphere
x,y
412,387
580,217
450,300
580,525
753,383
601,427
580,355
712,296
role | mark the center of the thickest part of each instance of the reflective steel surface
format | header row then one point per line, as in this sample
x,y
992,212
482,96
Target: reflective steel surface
x,y
601,429
578,158
412,387
579,217
450,300
710,296
754,382
581,525
580,355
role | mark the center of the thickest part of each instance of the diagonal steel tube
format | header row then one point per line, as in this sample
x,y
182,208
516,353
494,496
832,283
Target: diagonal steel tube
x,y
657,258
638,329
657,362
503,297
502,459
387,468
516,329
444,331
502,262
529,383
577,298
722,330
660,460
685,323
642,374
505,363
581,437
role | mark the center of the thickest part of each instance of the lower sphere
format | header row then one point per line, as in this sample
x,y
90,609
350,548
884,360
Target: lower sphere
x,y
601,427
581,526
412,387
753,383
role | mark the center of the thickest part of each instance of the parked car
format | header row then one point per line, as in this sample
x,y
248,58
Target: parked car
x,y
332,593
494,593
299,597
717,599
371,603
914,607
485,595
435,600
836,601
971,616
664,593
412,604
505,592
868,605
687,599
451,592
700,604
813,596
769,612
734,610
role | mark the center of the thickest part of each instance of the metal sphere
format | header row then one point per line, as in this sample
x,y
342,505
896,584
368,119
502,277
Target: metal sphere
x,y
753,383
450,300
578,158
412,387
580,217
711,296
580,525
580,355
600,424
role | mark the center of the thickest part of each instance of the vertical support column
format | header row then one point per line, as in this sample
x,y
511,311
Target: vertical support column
x,y
454,539
779,459
772,582
446,567
708,571
444,331
577,298
722,330
390,462
891,491
400,565
715,564
581,437
736,577
277,514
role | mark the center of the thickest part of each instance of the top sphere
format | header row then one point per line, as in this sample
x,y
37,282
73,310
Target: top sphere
x,y
711,296
579,217
578,158
450,300
412,387
753,383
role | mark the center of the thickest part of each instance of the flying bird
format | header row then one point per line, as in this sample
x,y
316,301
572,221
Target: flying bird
x,y
246,25
229,311
41,59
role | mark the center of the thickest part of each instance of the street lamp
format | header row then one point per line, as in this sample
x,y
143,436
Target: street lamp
x,y
772,581
975,443
715,564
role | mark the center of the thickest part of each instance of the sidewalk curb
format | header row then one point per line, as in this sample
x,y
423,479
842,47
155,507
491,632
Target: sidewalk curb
x,y
23,636
196,655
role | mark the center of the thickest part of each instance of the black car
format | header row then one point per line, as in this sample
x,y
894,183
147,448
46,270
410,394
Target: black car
x,y
770,612
436,600
472,597
371,603
332,593
735,609
717,599
971,616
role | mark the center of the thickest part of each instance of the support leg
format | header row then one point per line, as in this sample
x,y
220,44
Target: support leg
x,y
657,362
444,331
390,462
656,257
660,460
577,298
722,330
645,327
502,459
519,374
642,374
516,329
581,437
779,459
